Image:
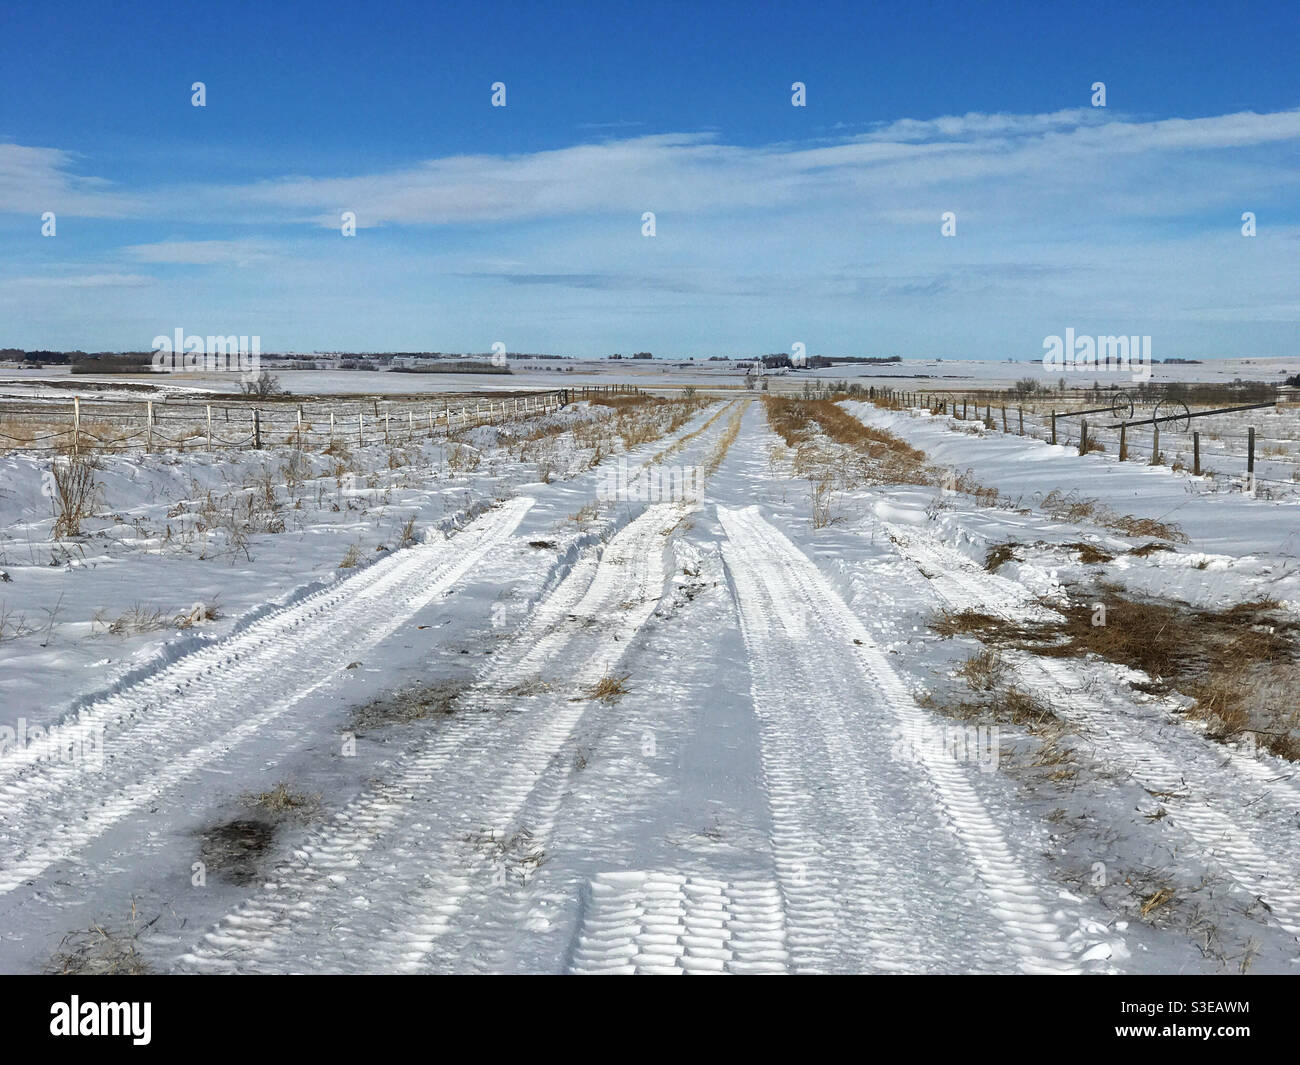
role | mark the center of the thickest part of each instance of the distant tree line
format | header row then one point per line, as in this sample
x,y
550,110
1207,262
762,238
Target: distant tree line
x,y
82,361
459,366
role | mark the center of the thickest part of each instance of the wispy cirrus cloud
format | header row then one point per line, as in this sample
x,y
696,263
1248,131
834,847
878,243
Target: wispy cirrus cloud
x,y
201,252
35,180
1080,216
893,164
75,281
896,164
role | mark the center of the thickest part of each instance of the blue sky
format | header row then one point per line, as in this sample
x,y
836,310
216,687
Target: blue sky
x,y
774,224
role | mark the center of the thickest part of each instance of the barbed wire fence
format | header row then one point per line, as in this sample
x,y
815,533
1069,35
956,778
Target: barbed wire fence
x,y
1263,458
76,425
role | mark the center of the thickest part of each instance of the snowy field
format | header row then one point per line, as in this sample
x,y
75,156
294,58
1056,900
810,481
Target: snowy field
x,y
937,374
892,692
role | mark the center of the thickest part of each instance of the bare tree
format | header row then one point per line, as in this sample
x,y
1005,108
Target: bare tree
x,y
263,385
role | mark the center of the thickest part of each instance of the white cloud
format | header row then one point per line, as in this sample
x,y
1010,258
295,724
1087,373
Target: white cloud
x,y
200,252
35,180
79,281
1086,217
1040,156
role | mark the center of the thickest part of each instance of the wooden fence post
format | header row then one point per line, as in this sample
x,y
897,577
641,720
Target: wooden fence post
x,y
331,428
1083,436
1250,455
1053,427
257,429
1155,445
76,424
1123,441
385,426
209,427
361,428
1020,418
1196,454
148,427
1004,417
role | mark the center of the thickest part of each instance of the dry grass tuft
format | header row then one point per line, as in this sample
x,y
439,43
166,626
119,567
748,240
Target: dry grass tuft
x,y
982,671
609,689
101,951
1073,508
417,703
1153,902
1091,555
139,618
1000,554
1148,549
282,802
74,486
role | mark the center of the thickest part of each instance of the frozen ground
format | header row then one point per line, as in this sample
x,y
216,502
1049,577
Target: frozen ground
x,y
545,730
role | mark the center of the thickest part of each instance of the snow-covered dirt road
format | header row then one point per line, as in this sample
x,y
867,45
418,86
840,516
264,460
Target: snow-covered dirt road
x,y
671,735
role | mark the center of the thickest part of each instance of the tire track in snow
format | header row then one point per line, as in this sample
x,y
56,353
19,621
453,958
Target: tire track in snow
x,y
624,592
495,926
407,876
165,728
1164,760
659,923
882,894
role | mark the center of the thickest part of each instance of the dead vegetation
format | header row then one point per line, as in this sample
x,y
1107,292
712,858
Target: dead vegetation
x,y
868,456
283,803
682,441
822,515
516,855
236,849
103,950
728,437
1090,554
1046,753
997,701
982,671
137,619
422,702
834,449
641,418
1151,903
1145,550
1238,666
609,689
1074,508
1000,554
72,478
